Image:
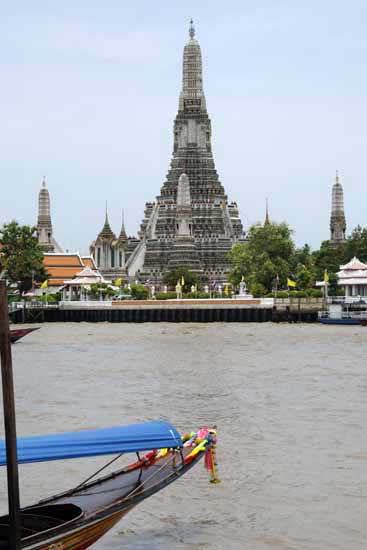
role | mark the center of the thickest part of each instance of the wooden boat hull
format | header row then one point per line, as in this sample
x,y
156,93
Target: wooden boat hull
x,y
18,333
76,519
82,537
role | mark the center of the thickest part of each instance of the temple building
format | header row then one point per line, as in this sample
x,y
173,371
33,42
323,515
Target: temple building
x,y
44,224
338,224
191,224
352,277
109,251
62,266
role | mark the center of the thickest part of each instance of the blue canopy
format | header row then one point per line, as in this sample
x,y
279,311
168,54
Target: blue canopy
x,y
121,439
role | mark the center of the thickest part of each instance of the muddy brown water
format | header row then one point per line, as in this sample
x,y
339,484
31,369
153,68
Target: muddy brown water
x,y
289,402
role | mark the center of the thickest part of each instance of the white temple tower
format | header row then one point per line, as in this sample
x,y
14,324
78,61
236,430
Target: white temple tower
x,y
338,224
44,223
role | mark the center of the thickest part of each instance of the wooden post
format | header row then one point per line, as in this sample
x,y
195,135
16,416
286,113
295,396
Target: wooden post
x,y
9,421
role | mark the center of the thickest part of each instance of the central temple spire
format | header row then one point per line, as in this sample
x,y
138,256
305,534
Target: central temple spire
x,y
191,224
192,74
192,29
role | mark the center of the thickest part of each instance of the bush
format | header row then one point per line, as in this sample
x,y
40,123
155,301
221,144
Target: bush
x,y
49,298
315,293
298,294
166,295
282,294
198,295
258,290
139,292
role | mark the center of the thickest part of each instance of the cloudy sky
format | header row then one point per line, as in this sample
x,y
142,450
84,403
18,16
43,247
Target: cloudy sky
x,y
89,91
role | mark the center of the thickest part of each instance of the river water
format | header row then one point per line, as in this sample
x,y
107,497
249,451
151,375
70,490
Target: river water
x,y
289,402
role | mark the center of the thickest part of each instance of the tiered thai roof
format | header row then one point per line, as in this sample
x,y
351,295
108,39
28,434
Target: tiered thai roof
x,y
86,277
61,267
106,234
354,272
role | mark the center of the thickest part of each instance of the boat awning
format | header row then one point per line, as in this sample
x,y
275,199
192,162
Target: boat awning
x,y
121,439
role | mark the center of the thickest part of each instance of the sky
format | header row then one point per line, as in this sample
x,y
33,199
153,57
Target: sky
x,y
89,91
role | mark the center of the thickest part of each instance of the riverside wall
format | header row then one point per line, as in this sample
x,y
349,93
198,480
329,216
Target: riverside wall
x,y
175,311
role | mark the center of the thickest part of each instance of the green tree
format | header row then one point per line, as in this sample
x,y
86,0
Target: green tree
x,y
268,254
303,257
356,245
170,279
305,277
329,258
22,257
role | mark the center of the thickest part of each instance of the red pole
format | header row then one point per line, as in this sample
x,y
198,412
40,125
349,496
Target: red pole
x,y
9,421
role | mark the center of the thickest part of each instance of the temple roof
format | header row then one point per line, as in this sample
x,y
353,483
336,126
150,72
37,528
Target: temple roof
x,y
123,235
106,233
87,276
64,266
88,261
354,264
63,259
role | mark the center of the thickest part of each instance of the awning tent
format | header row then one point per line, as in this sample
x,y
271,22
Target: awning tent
x,y
87,443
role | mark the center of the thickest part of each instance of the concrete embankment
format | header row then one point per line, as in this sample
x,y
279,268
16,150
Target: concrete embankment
x,y
176,311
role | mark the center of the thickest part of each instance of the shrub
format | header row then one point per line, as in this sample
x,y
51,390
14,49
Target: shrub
x,y
139,292
49,298
298,294
315,293
282,294
258,290
166,295
200,294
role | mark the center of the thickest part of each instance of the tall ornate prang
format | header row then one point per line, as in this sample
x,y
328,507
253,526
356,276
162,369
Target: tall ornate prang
x,y
44,223
338,224
215,223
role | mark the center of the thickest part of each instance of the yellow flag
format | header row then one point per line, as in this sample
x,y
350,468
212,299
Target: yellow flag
x,y
226,290
182,281
326,276
291,283
44,284
118,282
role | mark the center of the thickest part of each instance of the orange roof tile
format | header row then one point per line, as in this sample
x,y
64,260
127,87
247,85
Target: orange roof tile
x,y
60,271
62,260
88,261
55,282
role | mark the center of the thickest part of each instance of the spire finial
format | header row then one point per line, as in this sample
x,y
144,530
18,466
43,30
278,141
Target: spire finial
x,y
337,177
267,220
106,214
44,181
192,29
